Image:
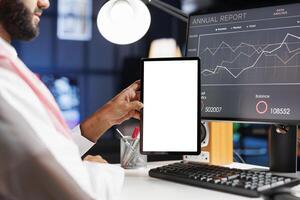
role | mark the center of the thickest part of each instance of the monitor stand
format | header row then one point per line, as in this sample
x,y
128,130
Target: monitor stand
x,y
283,143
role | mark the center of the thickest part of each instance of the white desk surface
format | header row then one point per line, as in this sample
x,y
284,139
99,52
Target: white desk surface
x,y
139,186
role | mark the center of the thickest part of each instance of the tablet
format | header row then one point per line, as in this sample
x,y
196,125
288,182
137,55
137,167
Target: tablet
x,y
170,118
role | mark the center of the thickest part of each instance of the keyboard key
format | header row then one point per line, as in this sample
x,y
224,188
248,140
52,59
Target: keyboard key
x,y
264,187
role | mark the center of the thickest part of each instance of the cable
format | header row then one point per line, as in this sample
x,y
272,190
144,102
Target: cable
x,y
239,157
168,9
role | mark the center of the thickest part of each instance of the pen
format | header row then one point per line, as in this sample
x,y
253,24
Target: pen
x,y
130,155
135,133
124,140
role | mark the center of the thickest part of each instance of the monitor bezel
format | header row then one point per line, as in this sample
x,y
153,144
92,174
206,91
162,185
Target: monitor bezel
x,y
239,7
233,9
143,60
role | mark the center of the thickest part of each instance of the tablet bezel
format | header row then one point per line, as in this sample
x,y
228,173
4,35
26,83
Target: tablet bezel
x,y
198,107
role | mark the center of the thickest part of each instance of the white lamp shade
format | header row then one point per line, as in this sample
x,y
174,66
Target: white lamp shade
x,y
123,21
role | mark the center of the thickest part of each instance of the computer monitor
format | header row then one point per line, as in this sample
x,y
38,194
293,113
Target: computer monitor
x,y
250,63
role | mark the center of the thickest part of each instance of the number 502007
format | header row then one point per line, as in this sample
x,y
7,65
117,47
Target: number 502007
x,y
213,109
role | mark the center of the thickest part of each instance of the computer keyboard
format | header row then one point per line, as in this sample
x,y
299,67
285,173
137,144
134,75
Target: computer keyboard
x,y
249,183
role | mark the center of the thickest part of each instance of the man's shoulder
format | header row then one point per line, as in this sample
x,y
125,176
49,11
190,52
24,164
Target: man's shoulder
x,y
7,50
9,80
6,60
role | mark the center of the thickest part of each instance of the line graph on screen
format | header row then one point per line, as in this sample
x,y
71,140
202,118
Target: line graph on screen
x,y
264,56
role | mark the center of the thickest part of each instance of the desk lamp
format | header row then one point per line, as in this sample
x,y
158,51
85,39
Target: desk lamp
x,y
126,21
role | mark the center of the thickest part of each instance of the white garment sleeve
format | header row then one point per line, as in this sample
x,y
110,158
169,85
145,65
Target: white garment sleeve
x,y
17,101
107,180
83,143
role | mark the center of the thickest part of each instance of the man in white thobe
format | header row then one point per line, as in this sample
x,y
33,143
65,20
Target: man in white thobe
x,y
40,156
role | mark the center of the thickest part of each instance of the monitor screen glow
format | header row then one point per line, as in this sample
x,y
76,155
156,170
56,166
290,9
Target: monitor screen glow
x,y
250,63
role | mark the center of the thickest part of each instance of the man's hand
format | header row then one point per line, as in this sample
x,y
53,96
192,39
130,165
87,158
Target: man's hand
x,y
122,107
125,105
97,159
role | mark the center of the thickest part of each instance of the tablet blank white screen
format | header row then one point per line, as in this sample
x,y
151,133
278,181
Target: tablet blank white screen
x,y
170,106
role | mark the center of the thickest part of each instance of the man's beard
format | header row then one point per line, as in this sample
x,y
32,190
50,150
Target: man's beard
x,y
16,19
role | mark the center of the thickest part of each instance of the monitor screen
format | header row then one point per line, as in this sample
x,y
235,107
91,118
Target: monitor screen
x,y
170,114
250,63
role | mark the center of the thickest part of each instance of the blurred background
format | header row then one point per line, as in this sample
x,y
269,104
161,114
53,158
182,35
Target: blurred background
x,y
84,71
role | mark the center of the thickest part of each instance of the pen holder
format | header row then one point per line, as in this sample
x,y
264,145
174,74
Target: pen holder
x,y
131,158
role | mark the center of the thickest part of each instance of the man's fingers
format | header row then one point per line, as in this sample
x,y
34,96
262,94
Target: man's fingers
x,y
132,114
135,105
137,96
97,158
135,86
135,114
88,157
